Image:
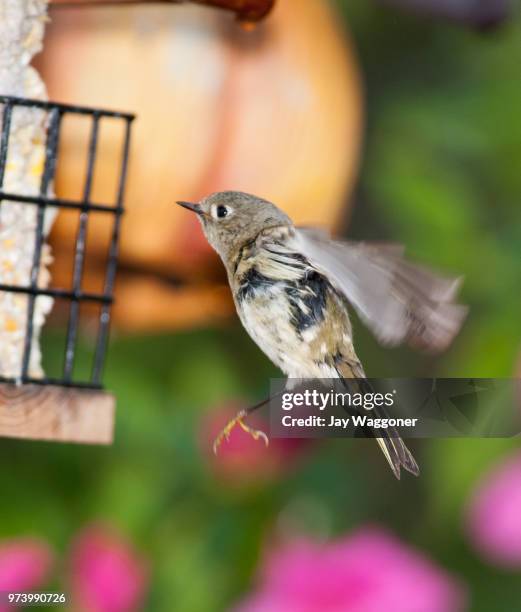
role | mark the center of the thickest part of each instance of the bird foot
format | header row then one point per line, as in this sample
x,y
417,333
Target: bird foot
x,y
256,434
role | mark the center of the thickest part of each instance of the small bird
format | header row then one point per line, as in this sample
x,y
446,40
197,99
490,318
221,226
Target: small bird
x,y
293,288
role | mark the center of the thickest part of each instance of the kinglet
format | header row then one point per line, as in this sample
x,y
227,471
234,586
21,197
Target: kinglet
x,y
292,288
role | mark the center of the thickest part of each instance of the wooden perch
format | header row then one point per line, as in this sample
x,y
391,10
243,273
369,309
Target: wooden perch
x,y
47,412
246,10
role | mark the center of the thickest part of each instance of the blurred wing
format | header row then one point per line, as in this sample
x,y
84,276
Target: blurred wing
x,y
399,301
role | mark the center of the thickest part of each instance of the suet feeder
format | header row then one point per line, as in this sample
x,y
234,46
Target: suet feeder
x,y
31,404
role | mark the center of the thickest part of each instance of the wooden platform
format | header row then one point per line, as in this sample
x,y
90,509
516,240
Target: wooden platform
x,y
37,412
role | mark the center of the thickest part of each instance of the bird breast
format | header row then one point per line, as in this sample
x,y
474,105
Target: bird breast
x,y
292,312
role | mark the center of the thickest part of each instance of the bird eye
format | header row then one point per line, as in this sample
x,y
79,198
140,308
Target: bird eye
x,y
221,211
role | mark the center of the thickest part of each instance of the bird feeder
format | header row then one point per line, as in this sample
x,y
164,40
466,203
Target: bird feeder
x,y
31,404
34,404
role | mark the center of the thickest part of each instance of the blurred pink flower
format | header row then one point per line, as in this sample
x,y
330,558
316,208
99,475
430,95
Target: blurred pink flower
x,y
494,514
24,564
367,571
107,575
241,458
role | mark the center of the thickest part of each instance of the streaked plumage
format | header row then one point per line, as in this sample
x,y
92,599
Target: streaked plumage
x,y
293,287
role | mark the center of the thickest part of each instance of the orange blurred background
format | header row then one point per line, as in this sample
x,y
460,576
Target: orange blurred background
x,y
218,107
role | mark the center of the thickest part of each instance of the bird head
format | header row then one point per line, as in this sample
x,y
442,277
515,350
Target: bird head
x,y
231,219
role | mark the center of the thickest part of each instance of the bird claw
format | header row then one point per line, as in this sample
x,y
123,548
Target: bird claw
x,y
256,434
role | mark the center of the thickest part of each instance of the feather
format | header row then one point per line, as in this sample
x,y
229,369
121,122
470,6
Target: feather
x,y
389,440
399,301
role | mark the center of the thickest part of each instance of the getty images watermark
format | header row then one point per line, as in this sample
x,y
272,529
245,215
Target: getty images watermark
x,y
358,402
414,408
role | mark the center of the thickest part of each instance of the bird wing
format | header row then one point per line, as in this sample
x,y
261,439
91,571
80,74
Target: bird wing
x,y
399,301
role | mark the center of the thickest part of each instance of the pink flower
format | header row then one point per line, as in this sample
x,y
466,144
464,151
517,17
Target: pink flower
x,y
24,564
494,514
107,575
367,571
242,459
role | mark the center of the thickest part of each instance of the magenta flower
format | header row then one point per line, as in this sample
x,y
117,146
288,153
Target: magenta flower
x,y
107,575
367,571
494,514
24,564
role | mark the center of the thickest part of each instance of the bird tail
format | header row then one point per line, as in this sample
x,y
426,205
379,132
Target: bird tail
x,y
391,444
398,455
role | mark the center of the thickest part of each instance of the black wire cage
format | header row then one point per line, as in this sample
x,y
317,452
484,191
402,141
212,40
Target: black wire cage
x,y
73,294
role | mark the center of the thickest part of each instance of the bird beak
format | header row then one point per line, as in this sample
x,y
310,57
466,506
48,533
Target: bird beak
x,y
196,208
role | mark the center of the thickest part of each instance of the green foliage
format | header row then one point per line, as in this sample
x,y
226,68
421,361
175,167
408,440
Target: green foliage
x,y
440,174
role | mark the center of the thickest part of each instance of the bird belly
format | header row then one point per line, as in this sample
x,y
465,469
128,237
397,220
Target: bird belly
x,y
267,317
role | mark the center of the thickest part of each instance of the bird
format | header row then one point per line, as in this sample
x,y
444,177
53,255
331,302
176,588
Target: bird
x,y
294,289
